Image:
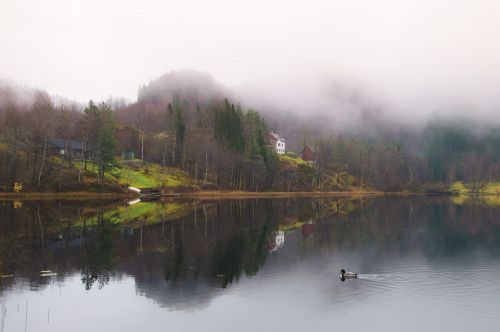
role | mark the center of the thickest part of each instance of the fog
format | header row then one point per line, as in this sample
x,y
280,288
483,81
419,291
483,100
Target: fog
x,y
408,59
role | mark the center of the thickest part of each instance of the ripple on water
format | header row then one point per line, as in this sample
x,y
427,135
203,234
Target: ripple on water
x,y
454,290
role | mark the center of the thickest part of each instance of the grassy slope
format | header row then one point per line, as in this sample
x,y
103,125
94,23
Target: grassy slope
x,y
334,181
144,175
292,160
490,188
138,174
343,207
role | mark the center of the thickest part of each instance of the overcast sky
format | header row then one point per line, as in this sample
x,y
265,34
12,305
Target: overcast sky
x,y
407,52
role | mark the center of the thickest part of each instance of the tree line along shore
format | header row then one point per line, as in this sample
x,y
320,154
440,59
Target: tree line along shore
x,y
191,138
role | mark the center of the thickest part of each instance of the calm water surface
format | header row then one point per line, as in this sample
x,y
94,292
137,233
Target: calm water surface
x,y
425,263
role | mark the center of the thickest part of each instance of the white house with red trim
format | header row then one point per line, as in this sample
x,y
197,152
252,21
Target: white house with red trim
x,y
277,142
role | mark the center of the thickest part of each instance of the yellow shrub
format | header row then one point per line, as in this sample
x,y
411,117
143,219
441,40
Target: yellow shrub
x,y
18,187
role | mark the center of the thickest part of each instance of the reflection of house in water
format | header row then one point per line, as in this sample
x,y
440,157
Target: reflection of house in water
x,y
279,241
72,237
308,229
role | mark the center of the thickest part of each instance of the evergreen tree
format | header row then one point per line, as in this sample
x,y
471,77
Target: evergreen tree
x,y
101,140
229,127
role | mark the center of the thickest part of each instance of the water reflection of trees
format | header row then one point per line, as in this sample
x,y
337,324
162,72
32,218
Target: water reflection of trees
x,y
97,253
47,235
225,240
432,224
218,242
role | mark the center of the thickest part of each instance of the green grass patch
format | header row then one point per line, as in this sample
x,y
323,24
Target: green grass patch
x,y
490,188
143,175
292,159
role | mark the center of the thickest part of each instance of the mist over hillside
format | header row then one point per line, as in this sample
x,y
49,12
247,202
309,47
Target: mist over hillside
x,y
303,109
12,92
195,85
185,118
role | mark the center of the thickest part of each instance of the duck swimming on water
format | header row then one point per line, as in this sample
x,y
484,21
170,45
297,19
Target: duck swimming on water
x,y
347,275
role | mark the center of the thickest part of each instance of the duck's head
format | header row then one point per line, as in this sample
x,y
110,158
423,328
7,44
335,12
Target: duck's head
x,y
342,271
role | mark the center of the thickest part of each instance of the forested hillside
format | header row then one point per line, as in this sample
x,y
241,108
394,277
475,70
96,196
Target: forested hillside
x,y
186,131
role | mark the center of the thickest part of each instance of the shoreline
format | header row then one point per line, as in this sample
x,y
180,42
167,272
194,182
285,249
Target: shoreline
x,y
275,194
216,194
193,194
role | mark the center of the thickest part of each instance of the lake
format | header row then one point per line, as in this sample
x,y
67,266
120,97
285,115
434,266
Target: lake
x,y
424,263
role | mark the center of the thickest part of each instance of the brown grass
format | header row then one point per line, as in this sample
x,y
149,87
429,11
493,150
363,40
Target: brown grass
x,y
266,194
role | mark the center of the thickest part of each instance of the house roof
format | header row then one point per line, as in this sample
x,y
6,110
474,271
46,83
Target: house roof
x,y
62,143
275,137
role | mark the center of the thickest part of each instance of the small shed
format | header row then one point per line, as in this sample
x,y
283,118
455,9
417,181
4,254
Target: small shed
x,y
128,154
308,155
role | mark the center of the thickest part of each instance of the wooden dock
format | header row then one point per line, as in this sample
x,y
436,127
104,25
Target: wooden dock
x,y
151,191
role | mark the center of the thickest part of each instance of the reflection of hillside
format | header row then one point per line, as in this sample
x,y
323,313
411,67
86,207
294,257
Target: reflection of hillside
x,y
465,199
198,255
320,209
184,261
187,295
145,212
432,224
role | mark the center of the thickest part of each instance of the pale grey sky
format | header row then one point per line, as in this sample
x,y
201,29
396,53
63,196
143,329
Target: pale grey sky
x,y
406,51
